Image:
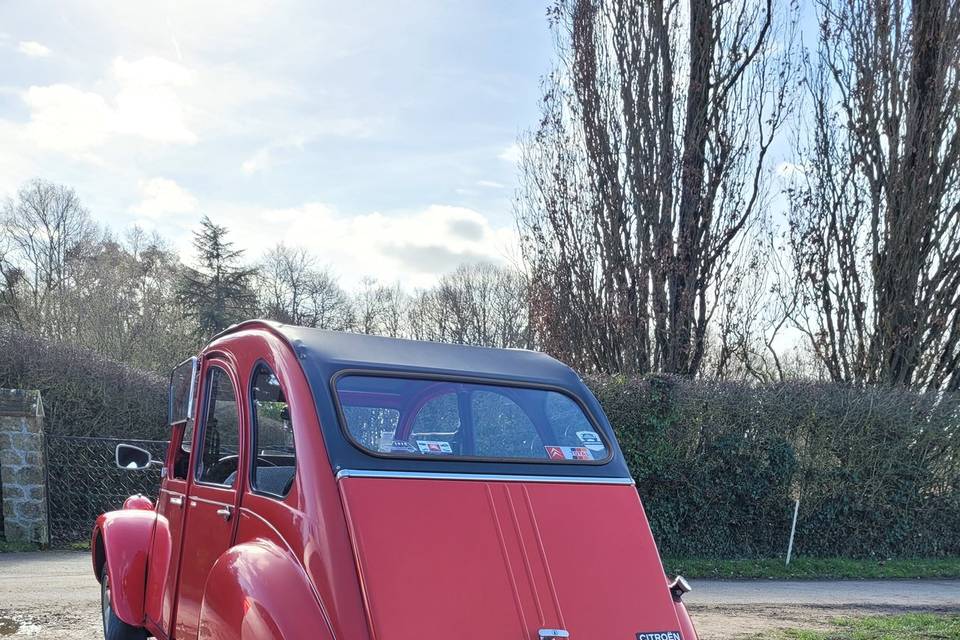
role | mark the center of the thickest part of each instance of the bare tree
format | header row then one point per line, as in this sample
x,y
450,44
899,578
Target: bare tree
x,y
874,222
293,289
476,304
65,280
281,283
379,309
649,163
49,233
328,305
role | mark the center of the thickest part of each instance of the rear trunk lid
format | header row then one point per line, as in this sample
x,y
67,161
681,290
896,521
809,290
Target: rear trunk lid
x,y
489,560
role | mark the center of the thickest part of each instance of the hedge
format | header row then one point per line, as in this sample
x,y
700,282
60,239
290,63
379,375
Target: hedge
x,y
719,465
84,394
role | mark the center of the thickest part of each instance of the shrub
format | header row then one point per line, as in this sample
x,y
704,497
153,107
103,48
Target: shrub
x,y
719,465
84,394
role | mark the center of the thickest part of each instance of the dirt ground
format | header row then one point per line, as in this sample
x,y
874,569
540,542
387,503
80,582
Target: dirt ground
x,y
53,595
724,610
49,595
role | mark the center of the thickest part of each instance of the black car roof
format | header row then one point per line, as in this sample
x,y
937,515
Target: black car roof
x,y
338,350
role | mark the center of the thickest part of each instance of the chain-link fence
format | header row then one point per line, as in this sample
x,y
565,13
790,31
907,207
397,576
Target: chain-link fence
x,y
84,481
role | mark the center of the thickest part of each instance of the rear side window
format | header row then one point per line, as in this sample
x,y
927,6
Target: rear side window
x,y
393,416
275,459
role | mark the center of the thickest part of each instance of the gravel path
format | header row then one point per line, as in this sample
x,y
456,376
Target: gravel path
x,y
49,595
724,609
53,595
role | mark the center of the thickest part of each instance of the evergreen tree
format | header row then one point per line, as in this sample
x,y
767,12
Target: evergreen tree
x,y
217,293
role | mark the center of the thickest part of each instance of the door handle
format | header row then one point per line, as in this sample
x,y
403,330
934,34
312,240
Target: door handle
x,y
176,501
226,513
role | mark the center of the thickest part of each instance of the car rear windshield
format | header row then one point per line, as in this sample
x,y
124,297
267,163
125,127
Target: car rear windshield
x,y
402,417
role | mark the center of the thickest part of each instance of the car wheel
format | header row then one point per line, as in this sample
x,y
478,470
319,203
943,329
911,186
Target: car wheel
x,y
113,627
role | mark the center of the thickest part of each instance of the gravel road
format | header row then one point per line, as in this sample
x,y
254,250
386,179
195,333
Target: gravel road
x,y
729,609
49,595
54,595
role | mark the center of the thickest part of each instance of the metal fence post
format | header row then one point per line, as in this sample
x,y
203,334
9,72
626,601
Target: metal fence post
x,y
793,530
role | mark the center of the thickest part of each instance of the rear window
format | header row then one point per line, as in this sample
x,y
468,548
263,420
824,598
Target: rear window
x,y
392,416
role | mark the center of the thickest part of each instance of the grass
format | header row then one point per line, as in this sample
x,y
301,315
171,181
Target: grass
x,y
12,547
905,627
814,568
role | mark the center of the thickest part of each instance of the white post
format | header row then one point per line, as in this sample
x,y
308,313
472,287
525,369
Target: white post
x,y
793,530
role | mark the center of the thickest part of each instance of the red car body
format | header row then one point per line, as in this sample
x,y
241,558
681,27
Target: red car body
x,y
392,546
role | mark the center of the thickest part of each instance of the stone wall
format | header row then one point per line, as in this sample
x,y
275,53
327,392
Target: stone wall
x,y
22,467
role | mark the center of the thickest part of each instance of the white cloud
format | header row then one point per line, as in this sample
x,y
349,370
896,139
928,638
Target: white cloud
x,y
257,162
151,71
147,104
511,154
67,119
412,248
146,107
489,184
161,197
33,49
356,128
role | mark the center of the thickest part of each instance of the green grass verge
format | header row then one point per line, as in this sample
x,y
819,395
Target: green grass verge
x,y
12,547
906,627
814,568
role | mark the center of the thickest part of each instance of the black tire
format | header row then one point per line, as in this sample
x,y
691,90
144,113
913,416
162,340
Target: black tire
x,y
113,627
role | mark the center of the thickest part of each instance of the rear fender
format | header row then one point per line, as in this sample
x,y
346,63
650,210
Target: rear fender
x,y
257,590
687,630
121,539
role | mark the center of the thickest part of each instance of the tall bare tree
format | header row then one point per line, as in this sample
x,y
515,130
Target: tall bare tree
x,y
295,290
874,222
477,304
379,309
48,233
649,163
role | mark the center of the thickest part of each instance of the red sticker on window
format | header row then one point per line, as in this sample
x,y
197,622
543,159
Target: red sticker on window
x,y
568,453
555,453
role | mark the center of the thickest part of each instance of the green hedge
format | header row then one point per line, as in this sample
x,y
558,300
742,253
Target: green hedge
x,y
719,464
84,394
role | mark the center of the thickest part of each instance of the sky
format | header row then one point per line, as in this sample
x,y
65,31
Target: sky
x,y
378,134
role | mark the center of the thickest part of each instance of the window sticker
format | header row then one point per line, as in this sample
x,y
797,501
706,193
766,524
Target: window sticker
x,y
434,446
386,441
568,453
389,445
591,440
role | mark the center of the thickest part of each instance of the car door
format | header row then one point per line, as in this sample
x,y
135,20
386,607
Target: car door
x,y
213,495
167,536
164,559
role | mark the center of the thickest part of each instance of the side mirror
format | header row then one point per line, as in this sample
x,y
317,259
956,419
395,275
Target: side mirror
x,y
134,458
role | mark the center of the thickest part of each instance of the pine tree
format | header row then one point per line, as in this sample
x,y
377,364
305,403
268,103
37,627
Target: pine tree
x,y
217,293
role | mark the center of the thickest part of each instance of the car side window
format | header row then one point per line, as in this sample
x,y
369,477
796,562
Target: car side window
x,y
220,445
275,457
181,454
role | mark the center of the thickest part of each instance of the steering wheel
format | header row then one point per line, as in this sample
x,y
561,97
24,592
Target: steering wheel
x,y
222,469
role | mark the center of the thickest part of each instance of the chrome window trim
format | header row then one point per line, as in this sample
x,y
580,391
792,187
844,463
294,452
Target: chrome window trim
x,y
483,477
